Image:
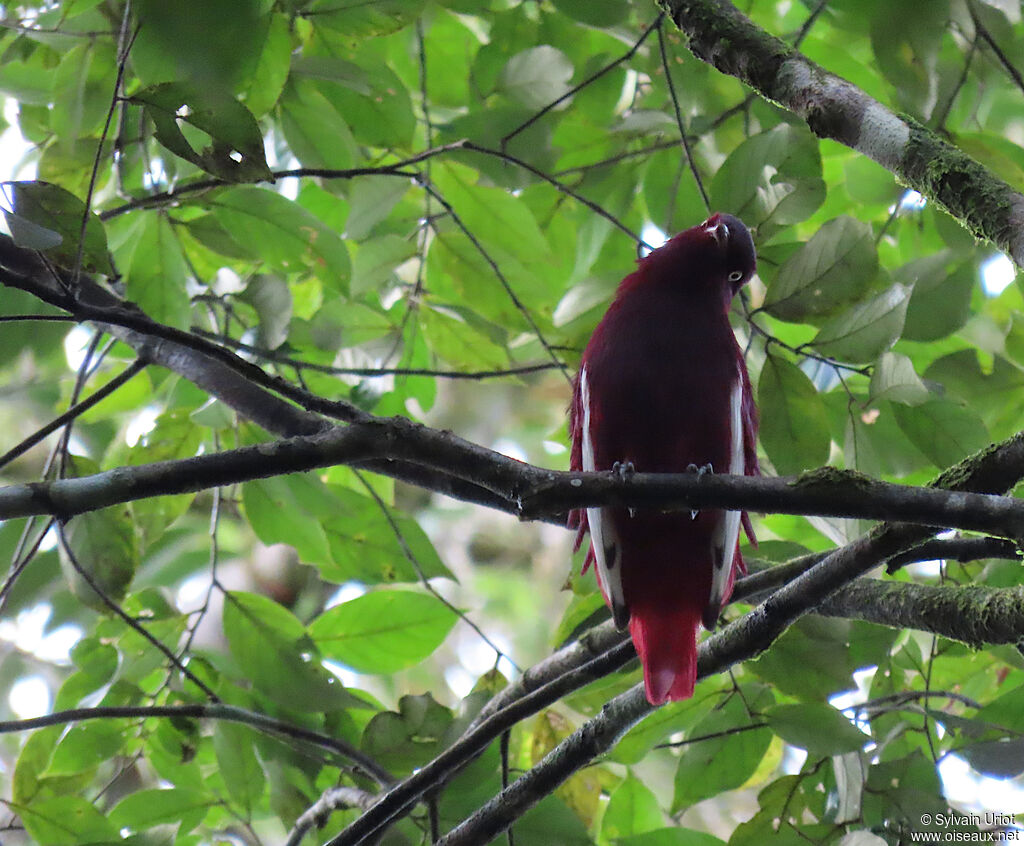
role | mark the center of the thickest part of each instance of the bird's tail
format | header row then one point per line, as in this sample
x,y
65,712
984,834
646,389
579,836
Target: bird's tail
x,y
665,636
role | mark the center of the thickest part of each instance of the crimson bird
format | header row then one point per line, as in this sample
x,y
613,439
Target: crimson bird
x,y
662,388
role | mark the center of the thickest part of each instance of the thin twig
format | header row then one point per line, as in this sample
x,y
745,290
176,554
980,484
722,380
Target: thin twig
x,y
520,306
132,623
687,150
76,410
625,57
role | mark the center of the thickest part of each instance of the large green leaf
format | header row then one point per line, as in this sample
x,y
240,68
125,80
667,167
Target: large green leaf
x,y
723,750
147,808
837,266
277,656
632,809
894,379
355,19
384,631
284,234
771,179
155,269
794,428
943,430
536,76
820,729
45,217
235,151
865,330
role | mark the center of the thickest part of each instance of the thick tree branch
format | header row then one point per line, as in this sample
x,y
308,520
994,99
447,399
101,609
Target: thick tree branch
x,y
722,36
523,489
208,711
973,614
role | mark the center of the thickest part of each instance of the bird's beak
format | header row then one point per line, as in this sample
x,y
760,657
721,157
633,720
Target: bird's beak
x,y
717,229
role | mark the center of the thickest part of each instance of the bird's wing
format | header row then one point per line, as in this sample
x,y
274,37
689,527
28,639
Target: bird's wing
x,y
605,545
726,535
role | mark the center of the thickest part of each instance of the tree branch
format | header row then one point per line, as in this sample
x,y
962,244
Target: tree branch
x,y
210,711
525,490
973,614
722,36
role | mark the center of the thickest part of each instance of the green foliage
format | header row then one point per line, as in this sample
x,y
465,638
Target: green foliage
x,y
289,179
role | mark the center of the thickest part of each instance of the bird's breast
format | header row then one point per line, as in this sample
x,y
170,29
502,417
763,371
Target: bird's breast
x,y
660,391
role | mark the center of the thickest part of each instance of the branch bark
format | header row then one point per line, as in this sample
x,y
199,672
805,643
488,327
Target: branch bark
x,y
390,445
722,36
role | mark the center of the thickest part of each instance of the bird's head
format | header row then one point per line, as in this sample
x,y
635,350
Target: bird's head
x,y
730,248
718,253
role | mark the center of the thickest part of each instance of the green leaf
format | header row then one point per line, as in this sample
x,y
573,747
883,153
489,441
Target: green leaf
x,y
235,148
45,217
825,652
376,260
281,510
356,19
865,330
771,179
276,654
632,809
216,44
836,267
85,747
943,430
723,749
271,298
316,131
271,71
820,729
941,302
156,272
536,76
371,201
66,821
894,379
284,234
147,808
794,428
375,104
410,737
605,13
235,748
384,631
103,545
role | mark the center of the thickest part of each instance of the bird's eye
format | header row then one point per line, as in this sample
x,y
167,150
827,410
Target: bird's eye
x,y
736,276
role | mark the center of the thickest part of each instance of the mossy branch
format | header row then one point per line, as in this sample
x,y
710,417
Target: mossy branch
x,y
719,34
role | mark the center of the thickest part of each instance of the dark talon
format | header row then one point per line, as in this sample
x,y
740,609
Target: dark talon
x,y
700,471
625,469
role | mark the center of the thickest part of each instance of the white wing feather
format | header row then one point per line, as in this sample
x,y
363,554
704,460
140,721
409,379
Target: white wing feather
x,y
607,550
723,542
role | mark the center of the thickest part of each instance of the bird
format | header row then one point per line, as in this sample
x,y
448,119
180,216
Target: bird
x,y
663,388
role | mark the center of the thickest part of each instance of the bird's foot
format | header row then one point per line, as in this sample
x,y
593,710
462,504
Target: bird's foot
x,y
700,471
625,470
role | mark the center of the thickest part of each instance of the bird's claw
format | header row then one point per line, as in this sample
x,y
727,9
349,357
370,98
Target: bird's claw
x,y
700,471
624,470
